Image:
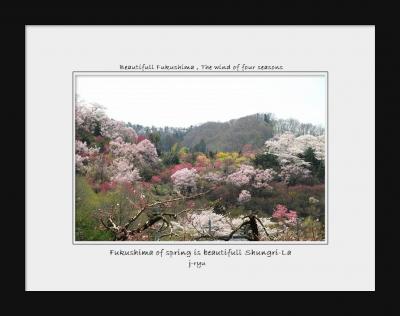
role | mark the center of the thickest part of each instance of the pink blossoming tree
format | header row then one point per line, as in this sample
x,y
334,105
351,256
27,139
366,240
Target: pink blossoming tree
x,y
249,176
184,180
122,171
282,213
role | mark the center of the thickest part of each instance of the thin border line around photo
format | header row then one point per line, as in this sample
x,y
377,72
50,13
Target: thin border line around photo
x,y
202,73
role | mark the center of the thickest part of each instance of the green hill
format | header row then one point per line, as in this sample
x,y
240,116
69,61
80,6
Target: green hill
x,y
232,135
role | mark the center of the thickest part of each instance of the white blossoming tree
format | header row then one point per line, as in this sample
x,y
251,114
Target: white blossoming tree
x,y
289,150
184,180
147,152
287,147
122,171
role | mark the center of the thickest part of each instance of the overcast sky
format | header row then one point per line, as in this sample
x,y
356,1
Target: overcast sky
x,y
181,101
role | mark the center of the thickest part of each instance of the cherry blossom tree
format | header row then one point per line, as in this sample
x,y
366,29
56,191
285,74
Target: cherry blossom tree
x,y
288,147
243,176
123,171
83,155
147,152
249,176
113,129
120,148
263,178
185,180
291,173
139,155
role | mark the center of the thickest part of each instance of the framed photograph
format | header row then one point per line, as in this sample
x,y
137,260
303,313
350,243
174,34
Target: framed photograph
x,y
197,153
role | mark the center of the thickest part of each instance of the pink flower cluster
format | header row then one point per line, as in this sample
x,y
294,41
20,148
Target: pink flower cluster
x,y
140,138
147,152
247,175
213,177
263,178
167,173
281,212
180,166
155,179
185,179
242,177
112,129
142,154
294,171
218,164
244,196
106,186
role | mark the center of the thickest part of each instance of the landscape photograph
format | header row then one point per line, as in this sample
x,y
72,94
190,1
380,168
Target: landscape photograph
x,y
190,158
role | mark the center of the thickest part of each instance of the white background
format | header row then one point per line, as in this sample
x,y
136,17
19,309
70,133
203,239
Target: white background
x,y
54,263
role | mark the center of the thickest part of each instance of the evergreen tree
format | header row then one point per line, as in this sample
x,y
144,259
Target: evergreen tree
x,y
266,161
200,147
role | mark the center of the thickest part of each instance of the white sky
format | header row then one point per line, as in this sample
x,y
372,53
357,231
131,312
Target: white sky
x,y
181,101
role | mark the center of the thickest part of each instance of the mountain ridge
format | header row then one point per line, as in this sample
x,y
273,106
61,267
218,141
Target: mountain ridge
x,y
230,135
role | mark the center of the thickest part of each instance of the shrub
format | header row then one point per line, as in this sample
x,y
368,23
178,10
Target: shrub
x,y
170,158
87,204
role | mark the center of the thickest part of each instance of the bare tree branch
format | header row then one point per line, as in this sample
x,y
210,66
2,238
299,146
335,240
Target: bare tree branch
x,y
183,198
229,237
262,225
122,233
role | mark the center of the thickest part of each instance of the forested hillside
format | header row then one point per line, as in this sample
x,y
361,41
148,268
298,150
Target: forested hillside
x,y
232,135
252,130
